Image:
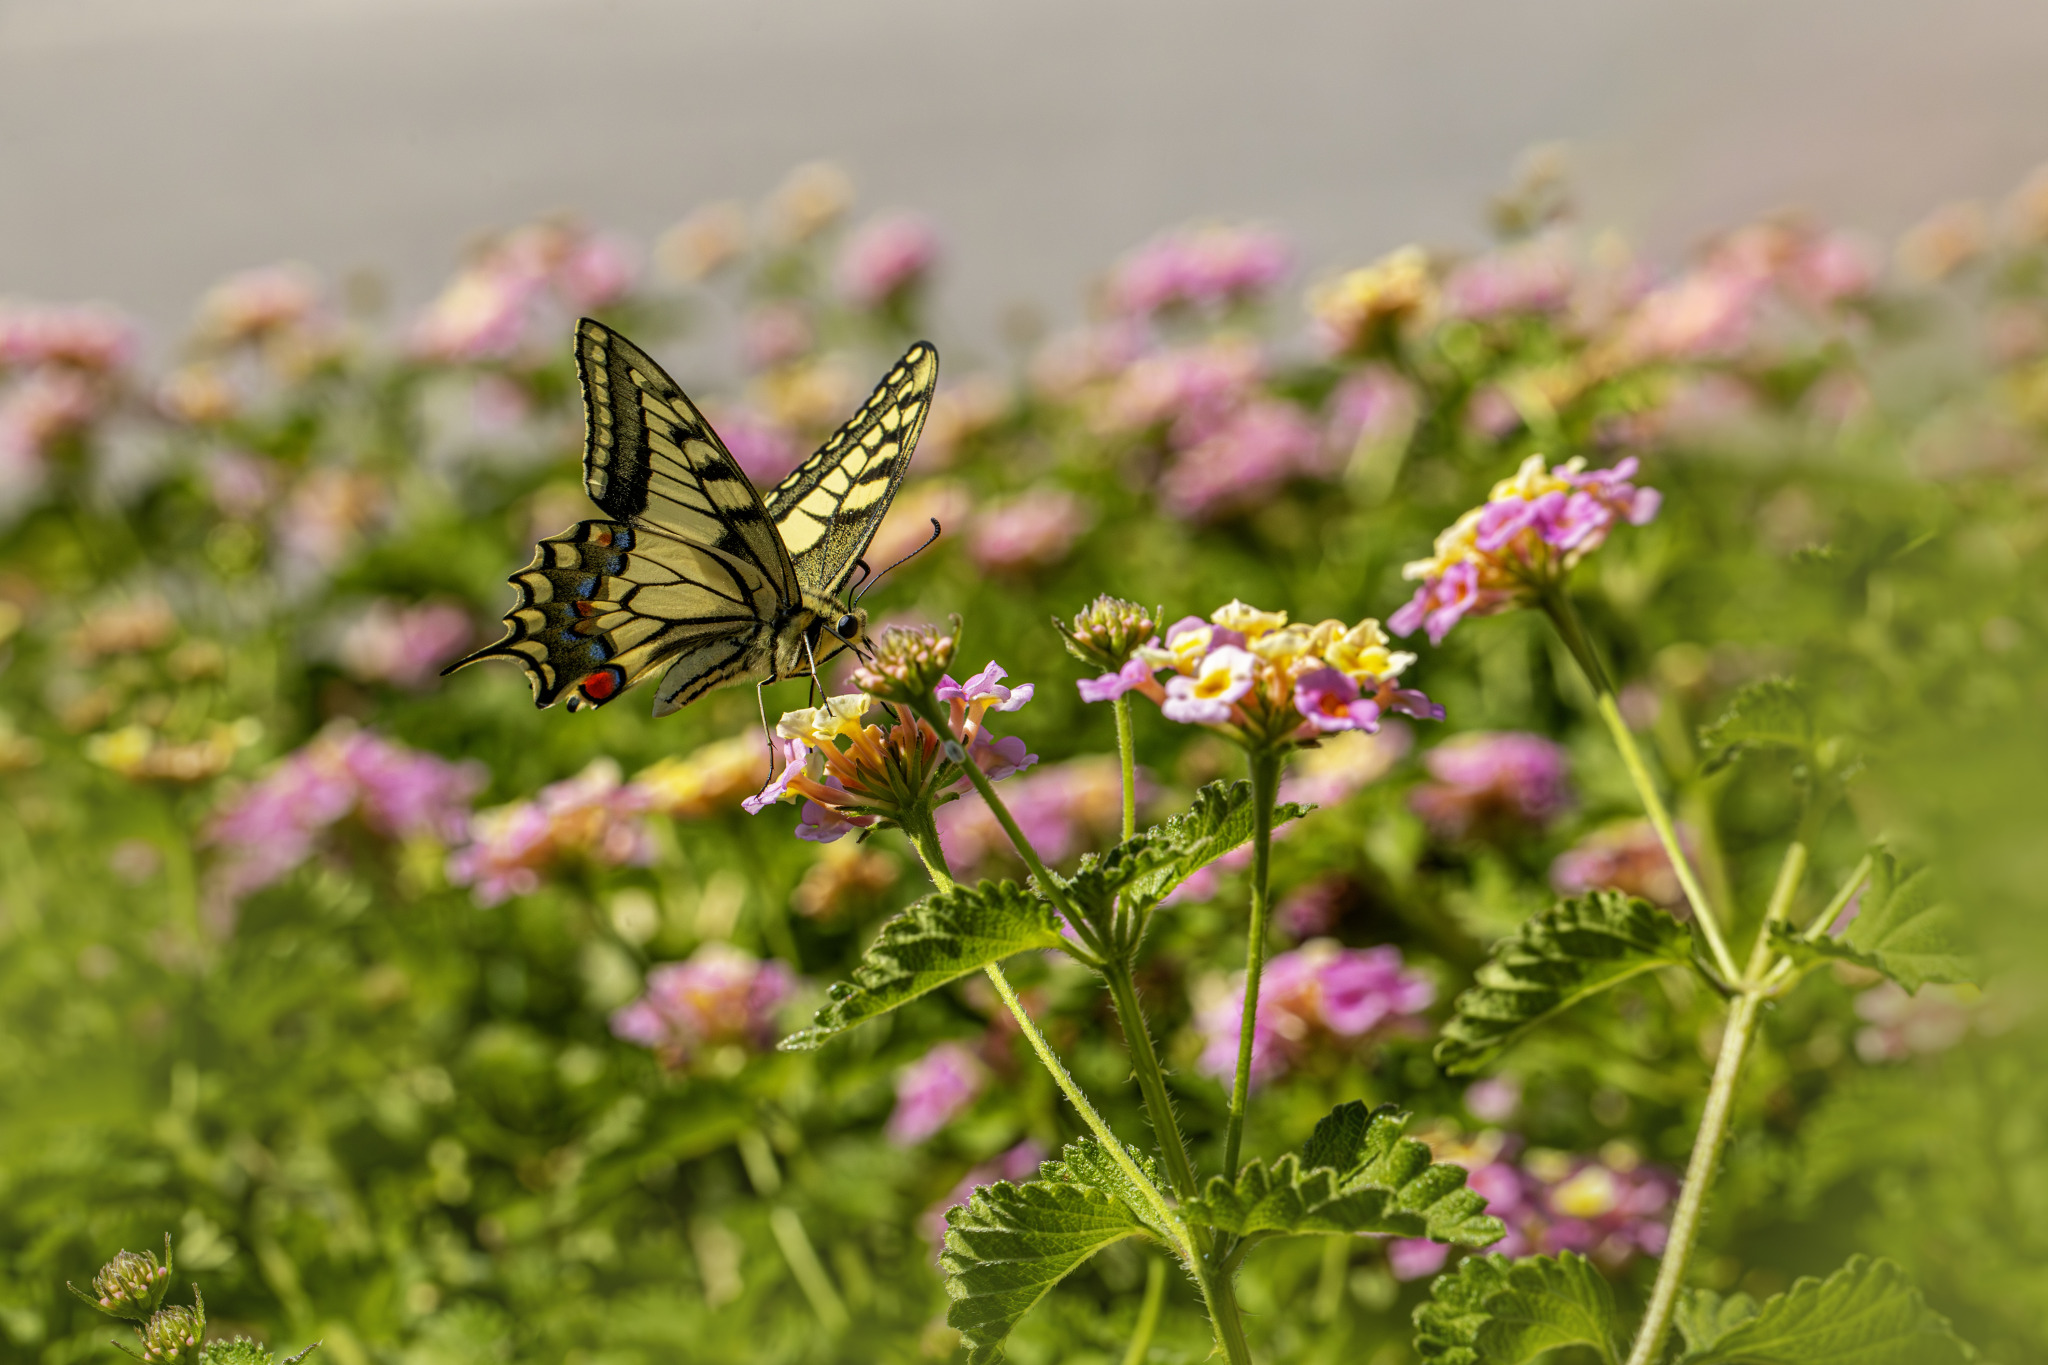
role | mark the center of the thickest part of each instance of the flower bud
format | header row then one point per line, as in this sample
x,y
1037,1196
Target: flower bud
x,y
131,1285
1106,631
172,1337
909,662
240,1351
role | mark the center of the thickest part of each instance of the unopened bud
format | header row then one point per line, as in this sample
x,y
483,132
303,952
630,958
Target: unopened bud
x,y
909,662
1107,630
172,1337
131,1285
240,1351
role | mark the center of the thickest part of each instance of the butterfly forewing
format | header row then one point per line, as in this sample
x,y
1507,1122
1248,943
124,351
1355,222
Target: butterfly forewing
x,y
691,574
831,505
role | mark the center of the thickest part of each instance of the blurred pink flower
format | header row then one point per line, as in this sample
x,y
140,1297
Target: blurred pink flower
x,y
1706,314
591,816
34,413
1242,461
886,256
256,303
325,516
404,645
595,272
931,1091
764,451
81,336
1029,531
1195,388
1199,268
1072,361
1368,405
722,996
515,283
1317,991
1625,856
1313,909
482,314
398,793
1483,777
1899,1025
1533,277
1062,809
775,334
240,484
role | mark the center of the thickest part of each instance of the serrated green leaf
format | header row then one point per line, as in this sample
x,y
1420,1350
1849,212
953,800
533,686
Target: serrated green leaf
x,y
1903,929
1866,1313
941,938
1447,1323
1704,1317
1494,1311
1356,1173
1011,1243
1151,863
1574,949
1769,714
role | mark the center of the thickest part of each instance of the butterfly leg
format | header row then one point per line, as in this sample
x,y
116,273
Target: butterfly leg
x,y
812,660
761,700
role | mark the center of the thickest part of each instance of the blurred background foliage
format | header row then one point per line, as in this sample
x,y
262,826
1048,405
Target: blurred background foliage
x,y
311,958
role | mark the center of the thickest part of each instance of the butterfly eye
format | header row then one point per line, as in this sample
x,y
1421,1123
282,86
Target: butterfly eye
x,y
848,627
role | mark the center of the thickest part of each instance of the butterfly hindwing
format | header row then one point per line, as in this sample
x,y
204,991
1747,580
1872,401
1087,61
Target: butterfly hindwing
x,y
649,456
831,505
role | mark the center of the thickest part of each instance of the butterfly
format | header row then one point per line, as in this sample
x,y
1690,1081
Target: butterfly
x,y
694,572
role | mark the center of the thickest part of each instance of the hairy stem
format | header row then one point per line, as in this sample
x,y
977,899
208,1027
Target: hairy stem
x,y
1791,872
924,837
1824,921
1699,1174
1265,768
1127,756
1148,1312
1173,1149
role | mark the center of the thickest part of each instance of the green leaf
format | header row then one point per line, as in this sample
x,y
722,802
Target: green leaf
x,y
1903,929
1704,1317
1011,1243
1152,862
1356,1173
1769,714
1494,1311
941,938
1574,949
1866,1313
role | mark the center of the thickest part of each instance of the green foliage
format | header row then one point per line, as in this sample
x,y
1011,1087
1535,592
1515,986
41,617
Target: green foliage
x,y
1767,714
1575,949
1146,867
940,939
1356,1173
1866,1313
1011,1243
243,1351
1496,1311
1904,928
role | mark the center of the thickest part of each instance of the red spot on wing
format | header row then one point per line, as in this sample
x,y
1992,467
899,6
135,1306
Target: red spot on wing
x,y
601,685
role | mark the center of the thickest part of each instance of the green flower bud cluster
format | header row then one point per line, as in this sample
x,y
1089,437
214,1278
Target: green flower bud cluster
x,y
1107,630
909,662
173,1335
131,1285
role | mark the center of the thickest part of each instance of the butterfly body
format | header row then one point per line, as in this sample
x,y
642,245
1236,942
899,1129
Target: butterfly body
x,y
693,575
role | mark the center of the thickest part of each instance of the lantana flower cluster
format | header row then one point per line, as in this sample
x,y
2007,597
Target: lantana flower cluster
x,y
593,816
1611,1207
1486,779
1531,531
853,772
1317,993
721,997
396,792
932,1091
1252,676
1625,856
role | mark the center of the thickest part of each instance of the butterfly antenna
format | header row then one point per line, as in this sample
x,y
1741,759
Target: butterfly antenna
x,y
866,572
869,583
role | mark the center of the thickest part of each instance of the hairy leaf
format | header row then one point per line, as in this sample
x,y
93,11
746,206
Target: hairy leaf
x,y
1356,1173
1866,1313
939,939
1009,1244
1149,864
1769,714
1903,929
1572,950
1494,1311
1704,1317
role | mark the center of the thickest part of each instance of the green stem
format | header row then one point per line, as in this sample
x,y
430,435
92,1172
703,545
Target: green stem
x,y
1148,1312
1265,769
1824,920
1791,872
1127,755
1703,912
1699,1174
1165,1213
924,837
1151,1077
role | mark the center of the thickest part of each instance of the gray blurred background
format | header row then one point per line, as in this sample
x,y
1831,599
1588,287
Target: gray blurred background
x,y
149,146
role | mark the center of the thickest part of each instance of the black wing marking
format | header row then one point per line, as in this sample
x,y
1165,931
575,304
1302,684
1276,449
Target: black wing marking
x,y
649,457
831,505
605,605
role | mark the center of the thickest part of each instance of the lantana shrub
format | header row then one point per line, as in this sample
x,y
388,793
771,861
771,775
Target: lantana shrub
x,y
1494,851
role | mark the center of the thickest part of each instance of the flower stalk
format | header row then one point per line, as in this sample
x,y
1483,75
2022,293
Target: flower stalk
x,y
1265,776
